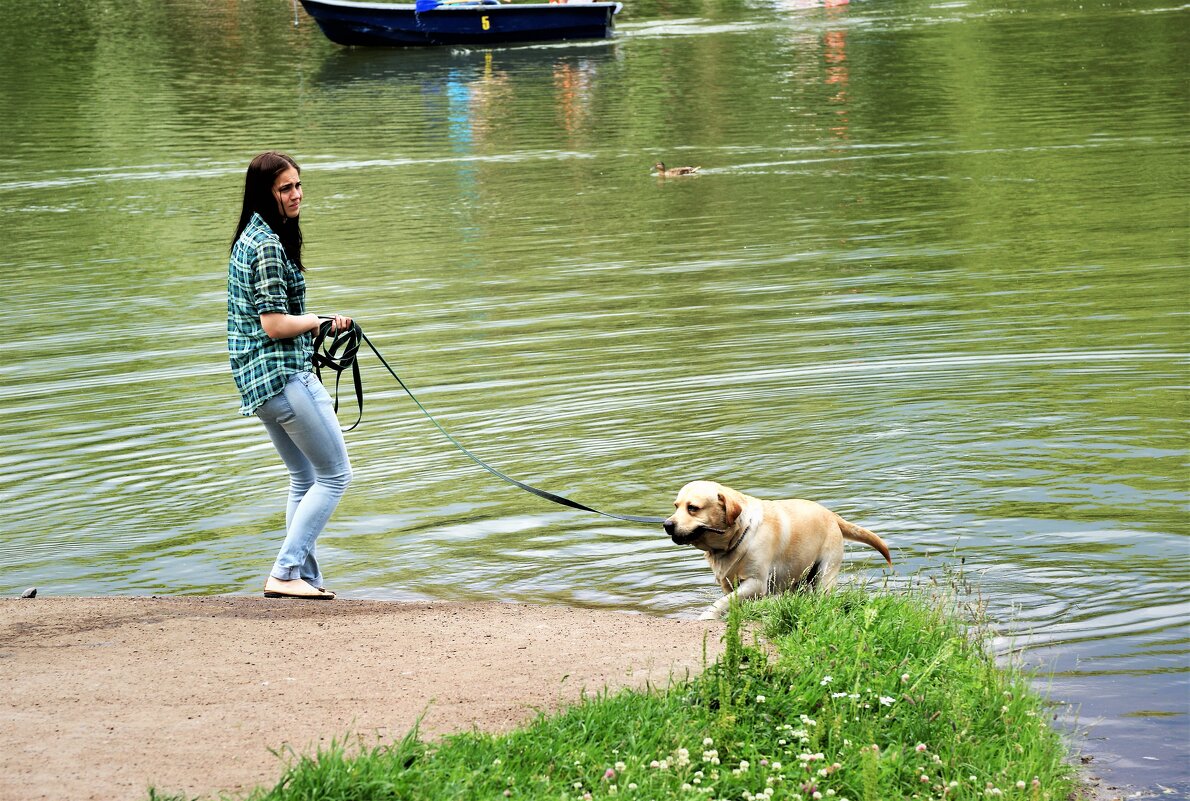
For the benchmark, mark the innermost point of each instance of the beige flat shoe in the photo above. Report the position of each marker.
(294, 588)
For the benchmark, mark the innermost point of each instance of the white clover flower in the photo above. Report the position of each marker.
(1020, 785)
(920, 747)
(904, 677)
(707, 741)
(620, 767)
(760, 699)
(776, 766)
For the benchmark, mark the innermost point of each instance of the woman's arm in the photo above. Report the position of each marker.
(287, 326)
(279, 325)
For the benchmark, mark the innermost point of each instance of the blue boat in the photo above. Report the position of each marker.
(481, 22)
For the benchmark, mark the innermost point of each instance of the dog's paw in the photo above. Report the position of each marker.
(710, 614)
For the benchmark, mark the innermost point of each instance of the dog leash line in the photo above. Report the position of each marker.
(348, 343)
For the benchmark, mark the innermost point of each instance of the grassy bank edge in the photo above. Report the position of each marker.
(862, 694)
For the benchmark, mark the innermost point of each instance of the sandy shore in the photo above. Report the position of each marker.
(103, 697)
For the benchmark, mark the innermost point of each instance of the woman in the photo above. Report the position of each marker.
(270, 339)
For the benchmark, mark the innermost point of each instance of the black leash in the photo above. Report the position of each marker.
(340, 354)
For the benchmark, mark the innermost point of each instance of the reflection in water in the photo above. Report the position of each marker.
(933, 276)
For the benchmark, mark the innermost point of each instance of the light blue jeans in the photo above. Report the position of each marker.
(302, 425)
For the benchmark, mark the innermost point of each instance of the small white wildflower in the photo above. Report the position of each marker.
(707, 741)
(1020, 785)
(839, 695)
(904, 677)
(760, 699)
(886, 701)
(826, 680)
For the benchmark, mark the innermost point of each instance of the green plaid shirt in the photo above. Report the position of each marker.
(261, 279)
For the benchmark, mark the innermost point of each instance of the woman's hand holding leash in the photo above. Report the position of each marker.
(338, 322)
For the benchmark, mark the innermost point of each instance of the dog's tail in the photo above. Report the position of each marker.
(860, 534)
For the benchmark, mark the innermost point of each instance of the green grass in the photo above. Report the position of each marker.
(859, 695)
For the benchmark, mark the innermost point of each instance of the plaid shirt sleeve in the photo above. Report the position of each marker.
(269, 282)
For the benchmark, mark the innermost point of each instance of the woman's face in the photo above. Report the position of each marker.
(287, 189)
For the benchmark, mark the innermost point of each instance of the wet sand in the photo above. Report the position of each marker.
(104, 697)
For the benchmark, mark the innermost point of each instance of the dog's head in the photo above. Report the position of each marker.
(705, 514)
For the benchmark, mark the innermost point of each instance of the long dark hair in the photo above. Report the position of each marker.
(259, 199)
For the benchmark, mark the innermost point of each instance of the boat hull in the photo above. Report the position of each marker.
(390, 24)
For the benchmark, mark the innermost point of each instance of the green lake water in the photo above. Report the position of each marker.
(933, 274)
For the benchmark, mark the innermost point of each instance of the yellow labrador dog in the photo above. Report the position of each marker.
(756, 547)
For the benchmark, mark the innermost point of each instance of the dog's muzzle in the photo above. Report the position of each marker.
(686, 537)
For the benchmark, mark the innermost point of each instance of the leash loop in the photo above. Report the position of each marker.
(341, 354)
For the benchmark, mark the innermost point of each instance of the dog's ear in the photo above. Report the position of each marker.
(732, 506)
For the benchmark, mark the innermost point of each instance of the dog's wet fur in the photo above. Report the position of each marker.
(756, 547)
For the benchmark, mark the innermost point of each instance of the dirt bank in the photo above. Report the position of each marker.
(103, 697)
